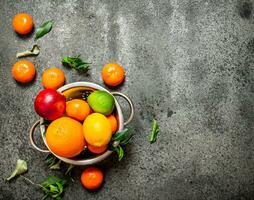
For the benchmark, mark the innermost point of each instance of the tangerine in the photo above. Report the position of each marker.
(113, 123)
(77, 109)
(97, 150)
(53, 78)
(113, 74)
(23, 71)
(22, 23)
(92, 178)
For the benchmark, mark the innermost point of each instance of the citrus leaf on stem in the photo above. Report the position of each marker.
(123, 137)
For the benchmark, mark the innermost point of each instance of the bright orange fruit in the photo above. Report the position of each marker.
(92, 178)
(77, 109)
(23, 71)
(22, 23)
(64, 137)
(113, 123)
(53, 78)
(113, 74)
(97, 150)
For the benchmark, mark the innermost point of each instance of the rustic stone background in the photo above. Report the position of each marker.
(189, 64)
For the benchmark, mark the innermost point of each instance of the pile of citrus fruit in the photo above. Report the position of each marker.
(76, 124)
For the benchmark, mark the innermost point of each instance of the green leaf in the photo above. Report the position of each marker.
(21, 168)
(56, 166)
(50, 160)
(119, 150)
(53, 162)
(76, 63)
(69, 170)
(123, 137)
(43, 29)
(121, 153)
(155, 131)
(33, 52)
(53, 187)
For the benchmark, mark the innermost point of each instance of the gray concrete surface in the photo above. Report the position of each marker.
(189, 64)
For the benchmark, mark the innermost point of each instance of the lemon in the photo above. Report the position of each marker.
(97, 130)
(101, 102)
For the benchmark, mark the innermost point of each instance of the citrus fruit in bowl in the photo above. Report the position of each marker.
(65, 138)
(97, 130)
(86, 144)
(101, 102)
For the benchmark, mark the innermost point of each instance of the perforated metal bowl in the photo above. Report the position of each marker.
(78, 160)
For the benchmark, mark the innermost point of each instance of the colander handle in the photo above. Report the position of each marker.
(130, 104)
(31, 138)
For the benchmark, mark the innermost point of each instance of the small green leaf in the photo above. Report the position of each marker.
(56, 166)
(33, 52)
(50, 160)
(53, 189)
(76, 63)
(155, 131)
(53, 162)
(123, 137)
(21, 168)
(119, 151)
(43, 29)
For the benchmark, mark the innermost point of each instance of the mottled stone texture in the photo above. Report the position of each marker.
(189, 63)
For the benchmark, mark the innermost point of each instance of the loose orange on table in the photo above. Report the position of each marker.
(22, 23)
(92, 178)
(64, 137)
(78, 109)
(23, 71)
(113, 123)
(53, 78)
(113, 74)
(97, 150)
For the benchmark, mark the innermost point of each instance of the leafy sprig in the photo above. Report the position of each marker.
(53, 187)
(76, 63)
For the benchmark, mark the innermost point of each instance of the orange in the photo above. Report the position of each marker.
(92, 178)
(113, 74)
(113, 123)
(23, 71)
(64, 137)
(97, 130)
(77, 109)
(97, 150)
(53, 78)
(22, 23)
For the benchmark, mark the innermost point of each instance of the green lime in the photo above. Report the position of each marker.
(101, 102)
